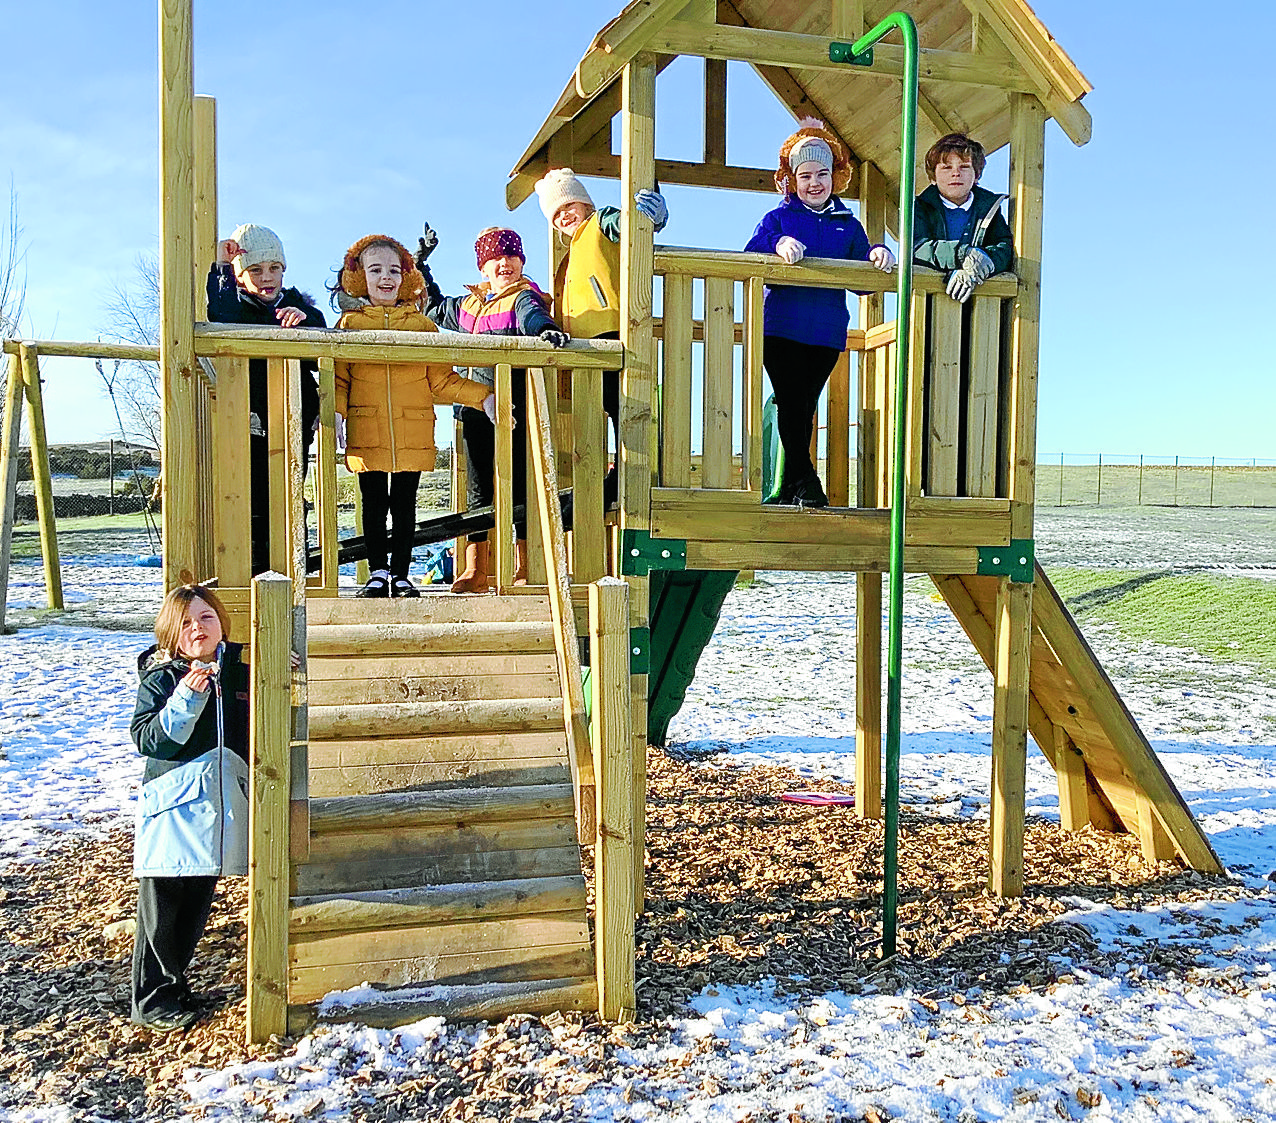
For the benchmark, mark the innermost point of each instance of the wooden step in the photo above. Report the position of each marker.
(435, 904)
(360, 688)
(465, 637)
(433, 607)
(488, 1001)
(423, 719)
(449, 807)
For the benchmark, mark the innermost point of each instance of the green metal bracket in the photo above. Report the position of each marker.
(640, 553)
(845, 52)
(1014, 561)
(639, 651)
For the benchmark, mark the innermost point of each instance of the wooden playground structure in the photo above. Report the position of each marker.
(424, 784)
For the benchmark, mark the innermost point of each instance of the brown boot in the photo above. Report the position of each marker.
(520, 561)
(474, 578)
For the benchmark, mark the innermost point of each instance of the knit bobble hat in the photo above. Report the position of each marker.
(354, 281)
(257, 245)
(498, 241)
(557, 188)
(810, 143)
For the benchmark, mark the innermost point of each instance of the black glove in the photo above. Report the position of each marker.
(555, 338)
(425, 245)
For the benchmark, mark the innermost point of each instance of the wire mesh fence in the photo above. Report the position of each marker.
(1140, 480)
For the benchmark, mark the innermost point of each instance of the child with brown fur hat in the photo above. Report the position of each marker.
(389, 407)
(804, 329)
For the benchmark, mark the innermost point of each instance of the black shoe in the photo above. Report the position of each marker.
(378, 585)
(167, 1021)
(809, 493)
(402, 587)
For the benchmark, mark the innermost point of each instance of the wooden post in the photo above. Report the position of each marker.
(719, 347)
(9, 446)
(715, 111)
(637, 171)
(589, 465)
(294, 504)
(270, 762)
(838, 441)
(277, 463)
(233, 499)
(1014, 600)
(205, 199)
(326, 479)
(944, 392)
(614, 861)
(42, 478)
(1074, 797)
(869, 469)
(1154, 840)
(753, 393)
(181, 504)
(503, 480)
(675, 413)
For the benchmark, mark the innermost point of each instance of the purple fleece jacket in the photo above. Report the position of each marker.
(809, 315)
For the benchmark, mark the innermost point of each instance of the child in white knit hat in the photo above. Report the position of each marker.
(804, 328)
(246, 286)
(587, 284)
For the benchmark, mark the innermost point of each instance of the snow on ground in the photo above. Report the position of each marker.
(778, 685)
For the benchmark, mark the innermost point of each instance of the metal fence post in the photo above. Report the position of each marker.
(1140, 502)
(1211, 481)
(1061, 479)
(1176, 481)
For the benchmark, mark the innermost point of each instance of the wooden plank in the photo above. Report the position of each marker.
(437, 608)
(393, 841)
(825, 558)
(52, 348)
(435, 869)
(503, 483)
(675, 420)
(232, 489)
(545, 482)
(588, 467)
(277, 464)
(868, 695)
(1012, 628)
(1155, 843)
(613, 747)
(715, 111)
(945, 396)
(848, 22)
(1074, 806)
(182, 535)
(365, 779)
(510, 747)
(9, 444)
(751, 469)
(42, 478)
(982, 408)
(270, 758)
(326, 477)
(445, 807)
(461, 968)
(719, 316)
(398, 908)
(415, 719)
(915, 434)
(839, 432)
(466, 665)
(400, 687)
(618, 44)
(430, 639)
(205, 193)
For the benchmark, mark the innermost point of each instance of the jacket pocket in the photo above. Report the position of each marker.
(598, 291)
(418, 428)
(178, 829)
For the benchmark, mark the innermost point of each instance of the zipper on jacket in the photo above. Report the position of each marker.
(389, 405)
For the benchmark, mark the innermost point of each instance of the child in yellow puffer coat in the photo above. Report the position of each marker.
(389, 407)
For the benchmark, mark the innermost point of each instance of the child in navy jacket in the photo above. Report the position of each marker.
(804, 329)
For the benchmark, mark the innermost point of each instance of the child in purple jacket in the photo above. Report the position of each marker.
(804, 329)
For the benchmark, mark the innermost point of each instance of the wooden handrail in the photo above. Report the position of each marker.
(545, 484)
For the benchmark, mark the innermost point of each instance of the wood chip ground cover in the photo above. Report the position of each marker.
(741, 888)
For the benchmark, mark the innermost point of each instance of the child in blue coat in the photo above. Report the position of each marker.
(804, 329)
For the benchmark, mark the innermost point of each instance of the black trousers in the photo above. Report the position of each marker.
(479, 435)
(259, 472)
(798, 372)
(611, 407)
(171, 915)
(393, 494)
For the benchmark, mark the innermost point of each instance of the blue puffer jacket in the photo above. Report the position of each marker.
(810, 315)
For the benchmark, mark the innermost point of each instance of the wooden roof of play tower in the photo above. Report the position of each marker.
(974, 55)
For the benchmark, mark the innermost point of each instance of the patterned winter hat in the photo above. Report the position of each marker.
(257, 245)
(354, 282)
(498, 241)
(809, 143)
(557, 188)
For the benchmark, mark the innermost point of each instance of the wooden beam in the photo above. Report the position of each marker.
(1074, 798)
(621, 40)
(205, 199)
(180, 472)
(42, 478)
(605, 165)
(848, 22)
(9, 445)
(1013, 636)
(715, 111)
(268, 873)
(614, 859)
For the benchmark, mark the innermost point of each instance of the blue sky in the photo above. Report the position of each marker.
(336, 120)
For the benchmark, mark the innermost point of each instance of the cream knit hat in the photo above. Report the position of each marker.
(257, 244)
(811, 150)
(557, 188)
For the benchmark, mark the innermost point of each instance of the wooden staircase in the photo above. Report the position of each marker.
(443, 840)
(1109, 776)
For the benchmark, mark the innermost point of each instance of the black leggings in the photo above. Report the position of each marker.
(392, 493)
(798, 372)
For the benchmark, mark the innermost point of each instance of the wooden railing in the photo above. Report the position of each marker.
(956, 444)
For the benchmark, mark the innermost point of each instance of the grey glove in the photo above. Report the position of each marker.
(555, 338)
(652, 204)
(425, 245)
(978, 264)
(961, 283)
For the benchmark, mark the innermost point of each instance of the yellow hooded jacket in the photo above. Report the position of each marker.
(587, 285)
(389, 407)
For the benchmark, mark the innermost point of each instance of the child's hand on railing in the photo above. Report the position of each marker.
(978, 264)
(881, 258)
(290, 317)
(489, 407)
(555, 338)
(790, 249)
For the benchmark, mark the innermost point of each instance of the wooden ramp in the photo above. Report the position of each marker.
(1108, 774)
(443, 840)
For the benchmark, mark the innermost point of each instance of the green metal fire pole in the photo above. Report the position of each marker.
(903, 334)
